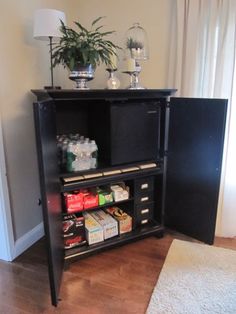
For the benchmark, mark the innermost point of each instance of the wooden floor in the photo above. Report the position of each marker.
(116, 281)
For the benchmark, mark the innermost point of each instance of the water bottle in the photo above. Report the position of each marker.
(59, 151)
(71, 157)
(64, 148)
(87, 154)
(94, 154)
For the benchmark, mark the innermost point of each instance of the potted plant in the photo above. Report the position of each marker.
(83, 50)
(133, 44)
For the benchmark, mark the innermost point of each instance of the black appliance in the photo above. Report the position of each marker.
(127, 132)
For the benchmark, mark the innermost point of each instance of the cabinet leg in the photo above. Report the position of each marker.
(66, 266)
(159, 235)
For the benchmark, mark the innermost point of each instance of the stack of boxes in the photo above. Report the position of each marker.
(108, 224)
(99, 225)
(93, 230)
(73, 231)
(80, 200)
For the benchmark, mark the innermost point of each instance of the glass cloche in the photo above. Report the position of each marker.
(136, 50)
(136, 43)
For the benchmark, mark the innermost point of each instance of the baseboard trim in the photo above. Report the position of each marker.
(28, 239)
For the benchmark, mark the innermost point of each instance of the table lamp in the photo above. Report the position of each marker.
(47, 24)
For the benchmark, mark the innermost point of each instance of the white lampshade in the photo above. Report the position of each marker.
(47, 23)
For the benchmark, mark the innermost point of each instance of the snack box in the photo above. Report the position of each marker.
(74, 202)
(123, 219)
(104, 196)
(109, 224)
(90, 199)
(120, 192)
(93, 230)
(73, 231)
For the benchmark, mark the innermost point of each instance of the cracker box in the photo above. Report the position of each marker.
(93, 230)
(109, 224)
(73, 202)
(120, 192)
(123, 219)
(73, 231)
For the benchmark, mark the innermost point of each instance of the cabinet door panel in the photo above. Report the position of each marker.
(195, 148)
(50, 190)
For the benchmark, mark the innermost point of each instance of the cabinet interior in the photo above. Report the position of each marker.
(115, 127)
(93, 119)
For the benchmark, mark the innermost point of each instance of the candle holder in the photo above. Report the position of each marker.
(113, 82)
(134, 78)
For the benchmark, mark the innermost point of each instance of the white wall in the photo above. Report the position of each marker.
(6, 230)
(24, 66)
(154, 17)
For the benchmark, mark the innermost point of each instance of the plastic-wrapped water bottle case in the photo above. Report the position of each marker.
(76, 153)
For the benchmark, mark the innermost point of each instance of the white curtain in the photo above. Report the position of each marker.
(201, 64)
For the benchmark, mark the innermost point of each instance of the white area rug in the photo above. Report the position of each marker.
(195, 279)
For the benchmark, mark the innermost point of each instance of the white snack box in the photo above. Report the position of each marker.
(94, 231)
(109, 224)
(120, 192)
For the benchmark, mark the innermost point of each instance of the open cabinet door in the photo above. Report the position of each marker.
(195, 149)
(50, 190)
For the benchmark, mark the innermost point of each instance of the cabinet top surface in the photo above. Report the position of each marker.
(101, 93)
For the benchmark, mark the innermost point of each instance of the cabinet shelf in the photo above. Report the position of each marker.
(140, 166)
(130, 199)
(75, 181)
(152, 228)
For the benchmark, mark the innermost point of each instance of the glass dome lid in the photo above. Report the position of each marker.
(136, 43)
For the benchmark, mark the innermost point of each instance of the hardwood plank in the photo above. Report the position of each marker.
(117, 281)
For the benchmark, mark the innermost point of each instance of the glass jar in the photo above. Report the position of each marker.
(136, 43)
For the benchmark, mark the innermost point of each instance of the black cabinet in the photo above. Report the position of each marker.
(169, 153)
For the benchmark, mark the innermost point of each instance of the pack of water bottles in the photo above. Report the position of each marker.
(76, 153)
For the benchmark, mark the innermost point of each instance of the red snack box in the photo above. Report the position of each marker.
(90, 200)
(74, 202)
